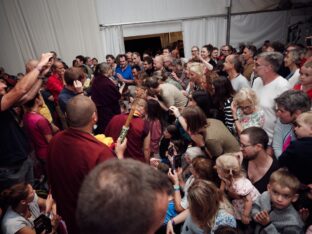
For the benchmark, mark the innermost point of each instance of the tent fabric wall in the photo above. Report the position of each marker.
(112, 39)
(256, 28)
(203, 31)
(31, 27)
(125, 11)
(71, 27)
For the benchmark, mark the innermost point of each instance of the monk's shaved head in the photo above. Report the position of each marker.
(31, 64)
(79, 111)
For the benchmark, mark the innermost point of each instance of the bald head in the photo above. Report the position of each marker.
(31, 64)
(79, 111)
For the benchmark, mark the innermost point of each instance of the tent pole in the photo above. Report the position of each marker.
(228, 20)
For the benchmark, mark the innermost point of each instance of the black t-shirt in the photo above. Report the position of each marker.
(261, 184)
(13, 142)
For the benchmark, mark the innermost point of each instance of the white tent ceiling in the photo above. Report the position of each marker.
(71, 27)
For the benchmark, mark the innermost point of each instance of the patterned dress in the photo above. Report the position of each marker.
(255, 119)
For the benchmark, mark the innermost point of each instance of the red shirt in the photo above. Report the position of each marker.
(55, 85)
(72, 155)
(299, 87)
(138, 130)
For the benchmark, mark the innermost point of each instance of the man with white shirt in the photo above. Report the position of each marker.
(268, 86)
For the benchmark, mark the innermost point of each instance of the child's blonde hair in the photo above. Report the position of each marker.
(230, 165)
(284, 178)
(305, 117)
(246, 94)
(308, 64)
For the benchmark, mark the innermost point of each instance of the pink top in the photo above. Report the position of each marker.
(37, 127)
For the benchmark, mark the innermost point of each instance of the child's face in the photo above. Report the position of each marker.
(302, 129)
(246, 107)
(281, 197)
(305, 75)
(167, 135)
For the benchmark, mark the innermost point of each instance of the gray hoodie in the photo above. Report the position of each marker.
(285, 220)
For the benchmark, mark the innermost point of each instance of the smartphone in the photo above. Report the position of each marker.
(177, 161)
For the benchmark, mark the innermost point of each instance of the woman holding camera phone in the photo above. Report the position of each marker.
(23, 215)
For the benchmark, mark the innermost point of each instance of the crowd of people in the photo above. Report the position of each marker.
(217, 143)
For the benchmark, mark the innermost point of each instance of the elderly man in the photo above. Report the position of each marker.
(73, 153)
(268, 86)
(15, 165)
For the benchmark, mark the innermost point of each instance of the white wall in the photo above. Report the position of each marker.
(71, 27)
(29, 28)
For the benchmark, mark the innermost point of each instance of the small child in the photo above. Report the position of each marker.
(273, 210)
(245, 110)
(297, 157)
(238, 187)
(305, 79)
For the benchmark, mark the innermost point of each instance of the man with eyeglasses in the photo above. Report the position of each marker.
(258, 164)
(268, 86)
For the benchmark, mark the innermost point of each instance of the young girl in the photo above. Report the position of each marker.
(206, 210)
(245, 111)
(238, 187)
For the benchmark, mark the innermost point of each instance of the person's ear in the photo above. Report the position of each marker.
(259, 147)
(23, 202)
(297, 113)
(295, 197)
(269, 187)
(94, 116)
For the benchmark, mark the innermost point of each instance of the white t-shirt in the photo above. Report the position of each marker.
(13, 222)
(294, 79)
(188, 183)
(240, 82)
(266, 95)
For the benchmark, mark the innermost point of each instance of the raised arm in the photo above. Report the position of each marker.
(25, 85)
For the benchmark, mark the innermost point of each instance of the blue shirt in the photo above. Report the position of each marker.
(64, 97)
(126, 73)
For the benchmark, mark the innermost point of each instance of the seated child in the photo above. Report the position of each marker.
(273, 210)
(297, 157)
(245, 110)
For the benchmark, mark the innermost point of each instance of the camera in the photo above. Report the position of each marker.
(42, 223)
(171, 151)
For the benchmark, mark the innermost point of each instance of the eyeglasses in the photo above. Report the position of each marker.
(260, 65)
(244, 146)
(225, 50)
(245, 107)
